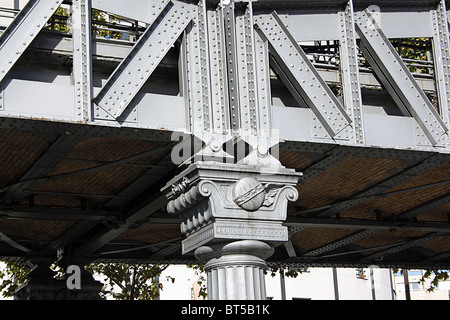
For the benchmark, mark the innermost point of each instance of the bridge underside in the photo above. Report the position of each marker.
(96, 190)
(375, 192)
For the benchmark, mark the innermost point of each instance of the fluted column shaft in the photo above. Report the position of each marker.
(235, 271)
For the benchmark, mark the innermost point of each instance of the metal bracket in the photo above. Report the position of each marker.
(295, 67)
(397, 79)
(22, 31)
(147, 53)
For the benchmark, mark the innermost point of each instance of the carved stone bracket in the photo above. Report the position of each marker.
(220, 201)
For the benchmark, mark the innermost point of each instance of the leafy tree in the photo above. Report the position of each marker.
(438, 276)
(101, 19)
(136, 282)
(417, 49)
(14, 275)
(102, 23)
(123, 281)
(202, 282)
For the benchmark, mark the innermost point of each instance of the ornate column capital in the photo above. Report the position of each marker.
(219, 201)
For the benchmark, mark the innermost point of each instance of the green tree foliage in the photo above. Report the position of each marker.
(202, 282)
(135, 282)
(102, 23)
(122, 281)
(437, 276)
(14, 275)
(417, 50)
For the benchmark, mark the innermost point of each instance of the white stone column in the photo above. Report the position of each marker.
(235, 271)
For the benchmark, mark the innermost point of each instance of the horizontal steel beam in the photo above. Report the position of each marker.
(26, 212)
(367, 225)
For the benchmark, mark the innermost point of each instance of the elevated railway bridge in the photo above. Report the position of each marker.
(237, 134)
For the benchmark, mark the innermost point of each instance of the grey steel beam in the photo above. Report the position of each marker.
(340, 243)
(82, 58)
(141, 10)
(13, 243)
(195, 73)
(289, 246)
(367, 225)
(404, 246)
(144, 181)
(436, 258)
(47, 161)
(34, 213)
(227, 14)
(23, 30)
(135, 211)
(380, 189)
(219, 99)
(147, 53)
(397, 79)
(100, 239)
(425, 207)
(248, 75)
(303, 76)
(28, 181)
(351, 86)
(160, 253)
(441, 51)
(245, 67)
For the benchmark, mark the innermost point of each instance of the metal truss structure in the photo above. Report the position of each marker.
(354, 94)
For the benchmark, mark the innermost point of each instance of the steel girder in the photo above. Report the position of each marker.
(225, 69)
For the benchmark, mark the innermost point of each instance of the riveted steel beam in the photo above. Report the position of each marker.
(397, 79)
(23, 30)
(82, 58)
(404, 246)
(217, 65)
(340, 243)
(13, 243)
(351, 86)
(441, 51)
(245, 64)
(302, 75)
(196, 73)
(141, 10)
(381, 189)
(147, 53)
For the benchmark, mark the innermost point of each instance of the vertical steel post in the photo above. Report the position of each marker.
(335, 284)
(282, 284)
(372, 284)
(82, 58)
(406, 280)
(441, 52)
(351, 87)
